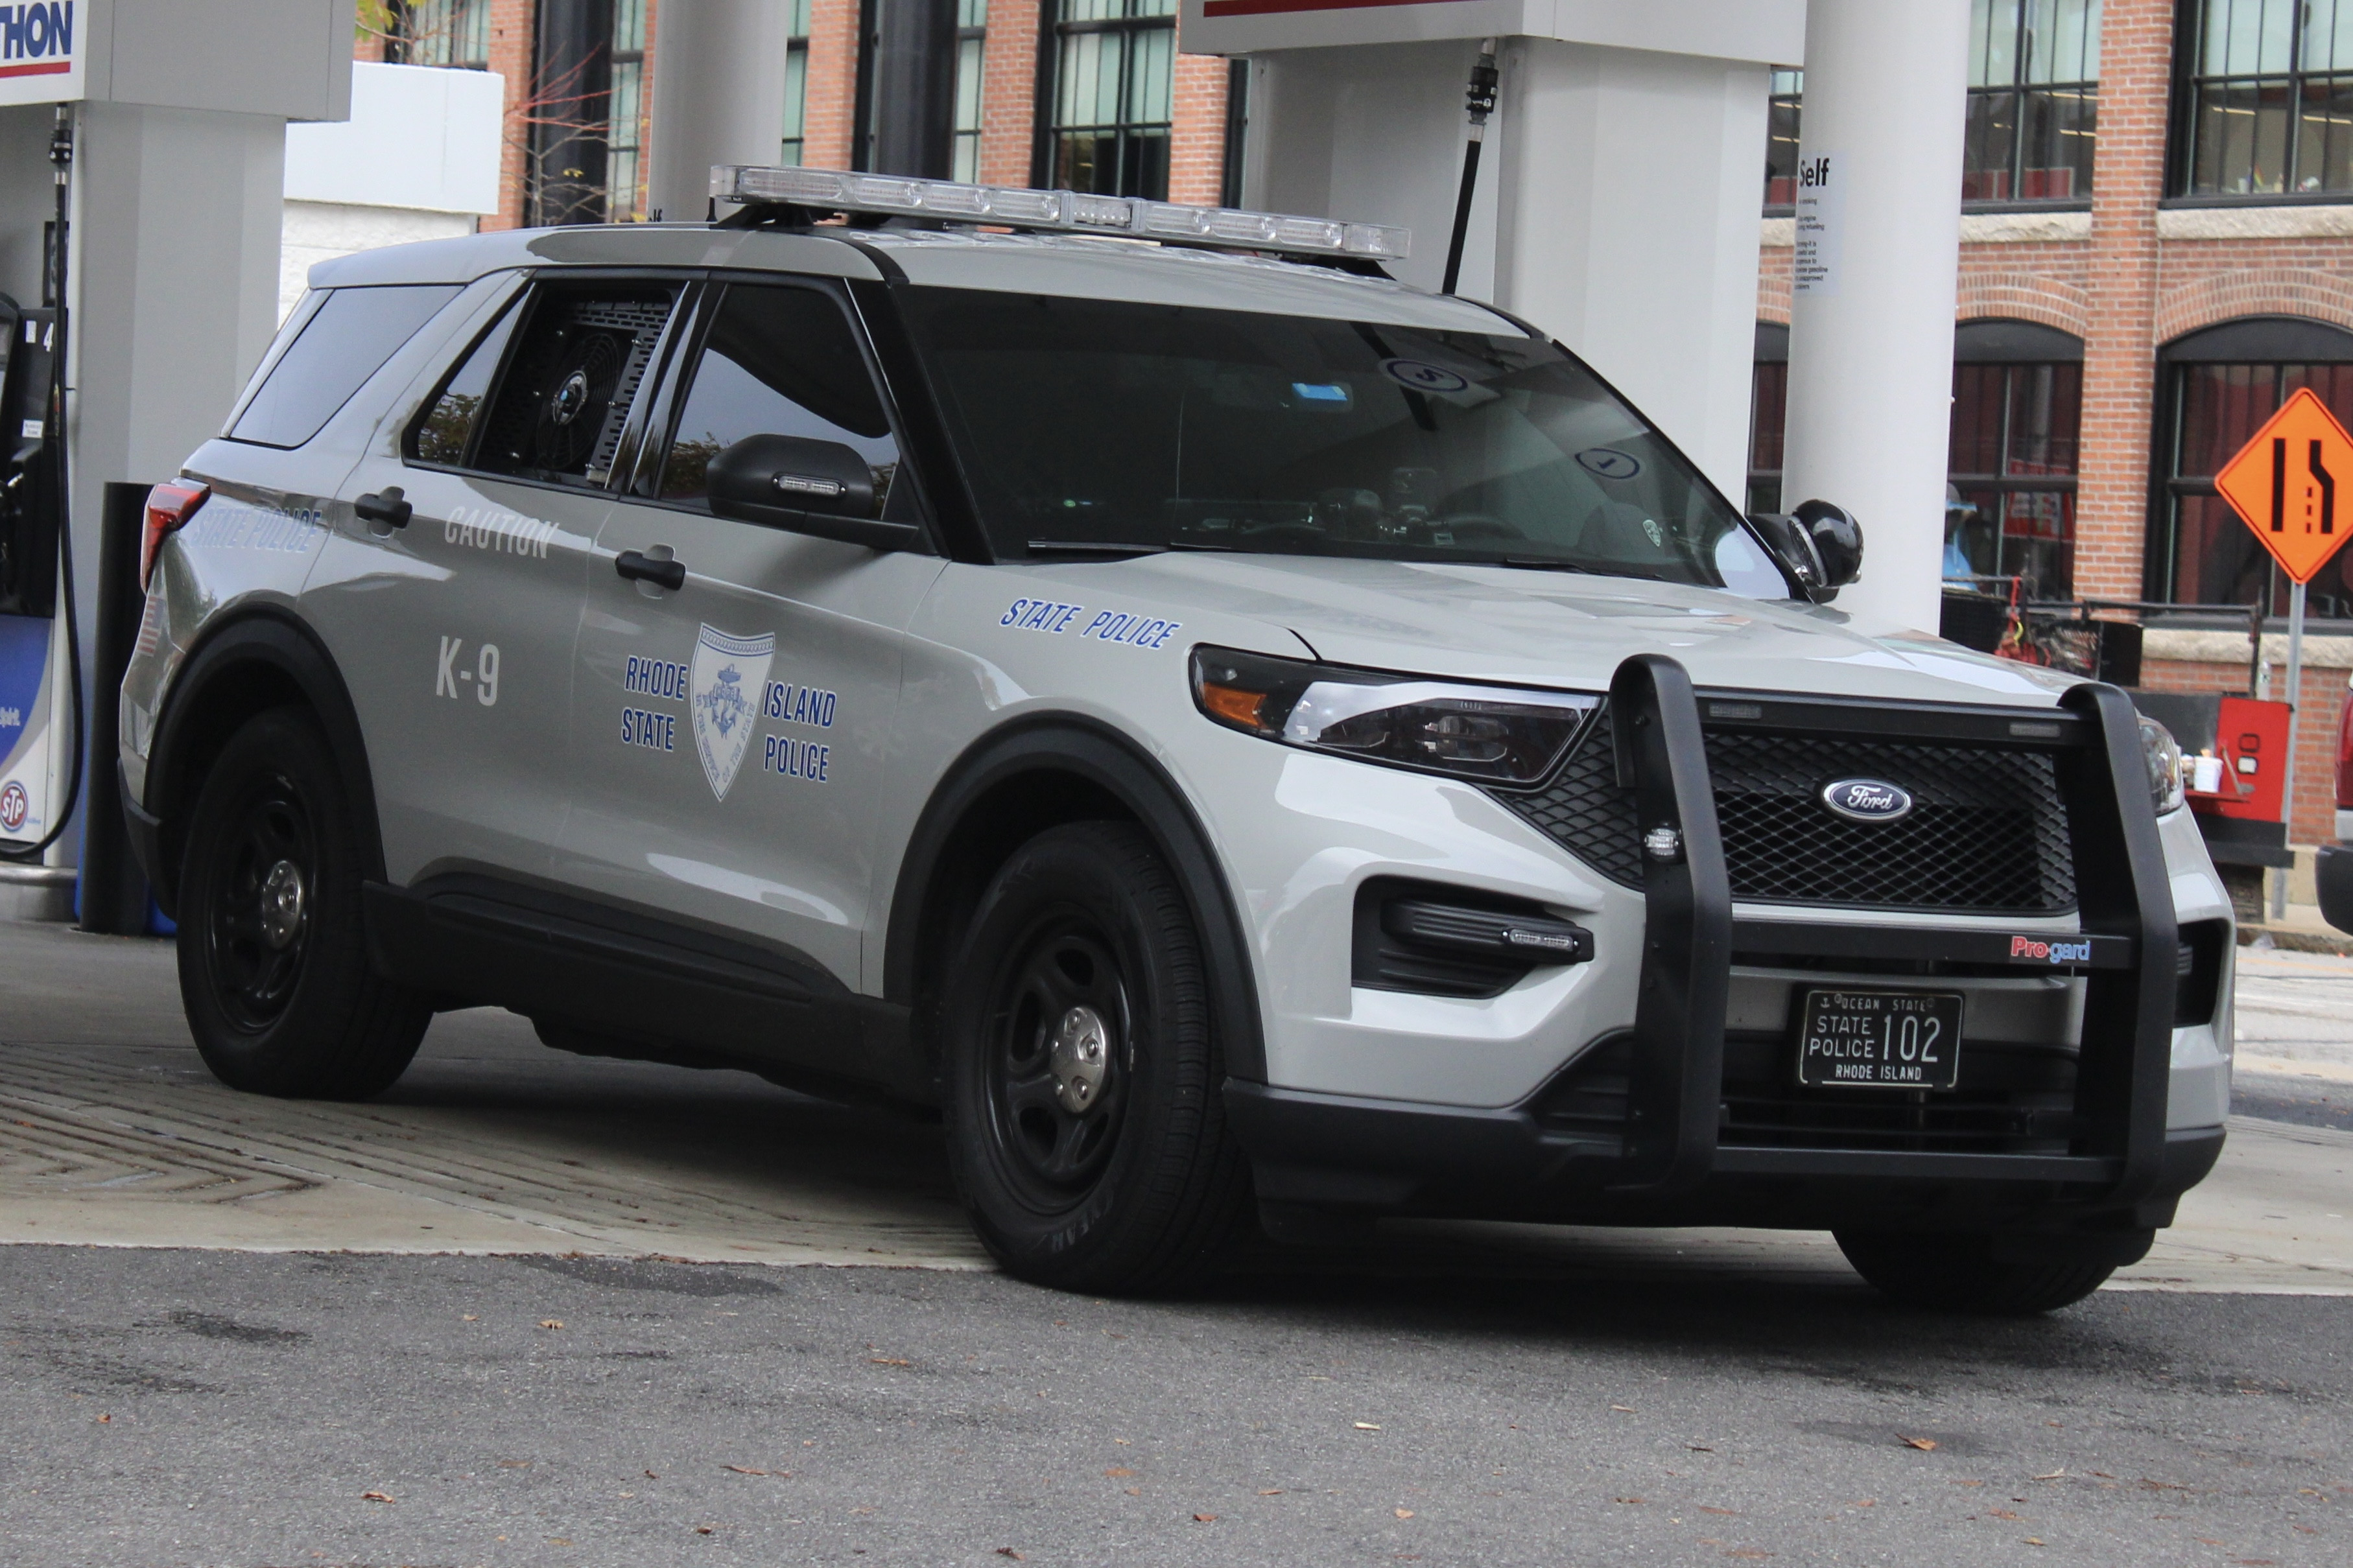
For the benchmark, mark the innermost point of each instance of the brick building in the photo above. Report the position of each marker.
(1090, 94)
(2156, 249)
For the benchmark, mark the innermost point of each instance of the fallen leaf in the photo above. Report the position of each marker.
(1968, 1483)
(1136, 1491)
(559, 1540)
(2051, 1477)
(1705, 1508)
(651, 1476)
(1623, 1409)
(1118, 1470)
(1628, 1500)
(1699, 1447)
(1926, 1445)
(888, 1361)
(2034, 1541)
(1270, 1491)
(1367, 1426)
(702, 1529)
(514, 1464)
(1008, 1552)
(2000, 1513)
(1403, 1512)
(742, 1470)
(474, 1317)
(550, 1323)
(1205, 1519)
(376, 1497)
(106, 1418)
(1864, 1502)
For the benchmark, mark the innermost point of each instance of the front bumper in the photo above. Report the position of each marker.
(1673, 1141)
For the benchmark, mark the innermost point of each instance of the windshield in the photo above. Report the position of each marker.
(1096, 427)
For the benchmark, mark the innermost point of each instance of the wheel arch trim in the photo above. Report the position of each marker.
(1102, 757)
(273, 638)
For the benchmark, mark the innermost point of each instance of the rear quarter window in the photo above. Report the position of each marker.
(347, 339)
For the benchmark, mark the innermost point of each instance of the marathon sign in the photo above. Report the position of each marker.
(40, 57)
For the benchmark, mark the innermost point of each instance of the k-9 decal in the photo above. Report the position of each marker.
(453, 675)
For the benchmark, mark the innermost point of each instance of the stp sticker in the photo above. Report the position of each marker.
(14, 805)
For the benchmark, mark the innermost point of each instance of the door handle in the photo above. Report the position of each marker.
(387, 506)
(635, 566)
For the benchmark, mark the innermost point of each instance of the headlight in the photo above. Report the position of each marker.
(2164, 759)
(1491, 732)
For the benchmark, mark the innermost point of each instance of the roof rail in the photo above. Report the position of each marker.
(811, 193)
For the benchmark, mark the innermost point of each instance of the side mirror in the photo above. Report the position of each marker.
(1794, 548)
(804, 486)
(1837, 539)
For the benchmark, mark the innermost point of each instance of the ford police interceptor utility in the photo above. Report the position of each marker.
(1238, 737)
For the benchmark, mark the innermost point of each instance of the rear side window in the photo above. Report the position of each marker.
(446, 430)
(345, 341)
(582, 354)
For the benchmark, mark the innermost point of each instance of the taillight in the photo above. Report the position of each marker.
(169, 505)
(2345, 752)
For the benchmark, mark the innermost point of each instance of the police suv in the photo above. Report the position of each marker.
(1237, 738)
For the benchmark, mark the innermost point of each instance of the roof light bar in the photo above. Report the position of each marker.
(1067, 212)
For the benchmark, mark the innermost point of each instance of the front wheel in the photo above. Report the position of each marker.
(1977, 1272)
(274, 972)
(1085, 1128)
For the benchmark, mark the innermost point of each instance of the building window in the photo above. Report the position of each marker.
(440, 33)
(2267, 98)
(796, 45)
(1768, 411)
(971, 36)
(2010, 492)
(1781, 138)
(2217, 388)
(2034, 67)
(623, 165)
(1114, 79)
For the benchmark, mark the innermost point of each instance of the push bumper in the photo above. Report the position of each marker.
(1664, 1156)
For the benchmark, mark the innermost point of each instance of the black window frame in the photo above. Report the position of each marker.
(2015, 345)
(403, 47)
(2272, 341)
(2190, 18)
(1052, 33)
(1772, 353)
(2021, 88)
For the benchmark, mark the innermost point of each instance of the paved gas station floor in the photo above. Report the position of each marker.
(529, 1309)
(112, 1133)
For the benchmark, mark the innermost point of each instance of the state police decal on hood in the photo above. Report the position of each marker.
(725, 684)
(1868, 800)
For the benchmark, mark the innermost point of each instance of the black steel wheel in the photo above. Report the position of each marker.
(1085, 1128)
(273, 959)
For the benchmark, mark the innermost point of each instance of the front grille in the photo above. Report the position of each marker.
(2011, 1100)
(1987, 834)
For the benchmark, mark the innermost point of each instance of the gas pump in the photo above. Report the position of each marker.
(29, 526)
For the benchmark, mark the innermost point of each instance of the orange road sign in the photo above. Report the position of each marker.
(2285, 485)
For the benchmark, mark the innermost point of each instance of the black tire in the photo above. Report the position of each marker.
(281, 999)
(1114, 1170)
(1966, 1272)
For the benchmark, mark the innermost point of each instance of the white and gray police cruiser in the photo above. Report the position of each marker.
(1237, 738)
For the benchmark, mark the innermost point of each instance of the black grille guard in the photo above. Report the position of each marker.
(2124, 908)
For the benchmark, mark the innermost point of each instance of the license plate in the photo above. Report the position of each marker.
(1880, 1039)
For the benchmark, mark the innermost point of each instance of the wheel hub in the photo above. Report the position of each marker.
(1079, 1054)
(281, 905)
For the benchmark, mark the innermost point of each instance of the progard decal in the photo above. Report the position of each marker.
(2032, 949)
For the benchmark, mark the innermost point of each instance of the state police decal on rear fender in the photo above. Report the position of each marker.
(725, 683)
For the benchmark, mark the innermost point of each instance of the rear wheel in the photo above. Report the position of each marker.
(1973, 1272)
(273, 959)
(1085, 1126)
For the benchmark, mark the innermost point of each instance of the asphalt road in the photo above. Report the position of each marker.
(201, 1407)
(1643, 1401)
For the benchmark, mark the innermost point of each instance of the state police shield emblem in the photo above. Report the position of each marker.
(728, 676)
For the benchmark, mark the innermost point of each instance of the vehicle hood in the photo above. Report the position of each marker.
(1566, 629)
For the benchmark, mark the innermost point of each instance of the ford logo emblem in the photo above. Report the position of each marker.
(1867, 800)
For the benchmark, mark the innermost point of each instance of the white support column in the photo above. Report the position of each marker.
(719, 97)
(1870, 335)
